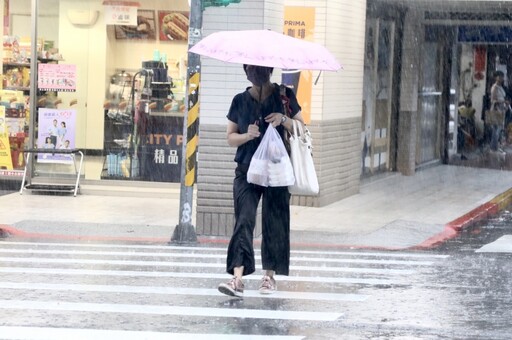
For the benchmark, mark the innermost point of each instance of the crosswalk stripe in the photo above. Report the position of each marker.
(372, 254)
(207, 256)
(169, 310)
(383, 271)
(223, 249)
(132, 273)
(50, 333)
(501, 245)
(178, 291)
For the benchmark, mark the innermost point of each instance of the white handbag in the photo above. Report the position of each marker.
(306, 181)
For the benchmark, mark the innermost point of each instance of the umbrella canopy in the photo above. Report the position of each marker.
(266, 48)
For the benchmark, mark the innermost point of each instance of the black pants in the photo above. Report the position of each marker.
(275, 245)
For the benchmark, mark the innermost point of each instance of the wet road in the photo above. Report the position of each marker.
(112, 291)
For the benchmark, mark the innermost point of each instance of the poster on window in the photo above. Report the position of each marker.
(56, 132)
(56, 77)
(299, 22)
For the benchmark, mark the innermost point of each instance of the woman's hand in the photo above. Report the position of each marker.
(253, 131)
(274, 118)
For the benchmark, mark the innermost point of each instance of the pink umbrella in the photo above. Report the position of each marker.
(266, 48)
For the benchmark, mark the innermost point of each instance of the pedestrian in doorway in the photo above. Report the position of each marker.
(500, 104)
(248, 118)
(466, 130)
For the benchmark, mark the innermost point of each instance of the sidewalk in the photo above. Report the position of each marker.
(390, 212)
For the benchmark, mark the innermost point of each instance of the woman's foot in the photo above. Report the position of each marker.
(234, 287)
(267, 285)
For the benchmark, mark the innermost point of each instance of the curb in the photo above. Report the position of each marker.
(8, 231)
(453, 228)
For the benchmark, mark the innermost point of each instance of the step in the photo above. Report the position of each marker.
(131, 189)
(51, 188)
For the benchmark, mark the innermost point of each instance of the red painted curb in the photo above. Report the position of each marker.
(11, 231)
(453, 228)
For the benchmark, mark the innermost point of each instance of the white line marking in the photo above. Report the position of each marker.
(40, 333)
(199, 265)
(132, 273)
(501, 245)
(377, 254)
(169, 310)
(208, 256)
(223, 249)
(178, 291)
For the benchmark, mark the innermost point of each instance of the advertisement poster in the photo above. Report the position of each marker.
(299, 22)
(56, 77)
(173, 25)
(144, 29)
(56, 131)
(5, 148)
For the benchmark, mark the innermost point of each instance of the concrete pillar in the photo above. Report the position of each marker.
(410, 73)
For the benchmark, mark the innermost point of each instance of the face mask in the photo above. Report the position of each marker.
(258, 75)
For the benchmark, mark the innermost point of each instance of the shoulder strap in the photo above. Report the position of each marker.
(285, 100)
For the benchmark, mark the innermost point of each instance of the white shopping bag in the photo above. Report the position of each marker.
(270, 164)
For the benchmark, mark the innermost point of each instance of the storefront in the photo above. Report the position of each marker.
(110, 81)
(443, 54)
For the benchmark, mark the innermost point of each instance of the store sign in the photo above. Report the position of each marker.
(56, 77)
(56, 131)
(162, 150)
(299, 22)
(121, 14)
(485, 34)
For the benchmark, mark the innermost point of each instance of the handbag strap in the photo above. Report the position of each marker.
(285, 101)
(297, 128)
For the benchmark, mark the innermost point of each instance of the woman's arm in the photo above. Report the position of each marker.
(276, 119)
(235, 138)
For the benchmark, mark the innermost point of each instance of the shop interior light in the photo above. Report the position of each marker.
(82, 17)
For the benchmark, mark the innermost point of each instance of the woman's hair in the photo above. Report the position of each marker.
(498, 74)
(271, 69)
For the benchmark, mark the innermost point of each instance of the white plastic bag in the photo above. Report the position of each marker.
(270, 164)
(306, 181)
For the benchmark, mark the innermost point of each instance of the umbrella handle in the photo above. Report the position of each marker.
(318, 77)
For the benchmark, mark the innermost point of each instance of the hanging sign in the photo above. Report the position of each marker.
(56, 77)
(121, 12)
(299, 22)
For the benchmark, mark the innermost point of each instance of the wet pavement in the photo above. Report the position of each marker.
(106, 289)
(156, 291)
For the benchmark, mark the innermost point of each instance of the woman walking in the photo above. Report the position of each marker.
(249, 116)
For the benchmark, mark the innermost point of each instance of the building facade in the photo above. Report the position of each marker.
(407, 64)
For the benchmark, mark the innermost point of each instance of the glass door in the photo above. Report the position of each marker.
(429, 105)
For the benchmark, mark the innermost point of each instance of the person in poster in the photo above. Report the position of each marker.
(53, 131)
(62, 133)
(58, 127)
